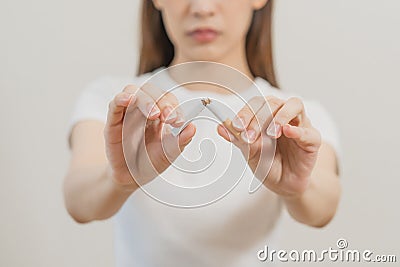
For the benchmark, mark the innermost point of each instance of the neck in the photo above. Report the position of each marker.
(236, 58)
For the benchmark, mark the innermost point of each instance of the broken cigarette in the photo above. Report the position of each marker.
(196, 109)
(220, 114)
(189, 113)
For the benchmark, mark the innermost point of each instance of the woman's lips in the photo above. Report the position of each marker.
(204, 35)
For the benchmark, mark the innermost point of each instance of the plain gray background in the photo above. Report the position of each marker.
(344, 53)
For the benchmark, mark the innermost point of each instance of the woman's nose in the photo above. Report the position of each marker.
(202, 8)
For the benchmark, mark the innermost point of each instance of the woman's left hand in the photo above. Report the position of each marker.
(297, 142)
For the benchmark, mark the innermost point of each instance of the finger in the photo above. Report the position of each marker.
(147, 105)
(186, 135)
(117, 107)
(145, 102)
(262, 118)
(224, 133)
(307, 138)
(292, 109)
(245, 115)
(130, 88)
(167, 103)
(174, 145)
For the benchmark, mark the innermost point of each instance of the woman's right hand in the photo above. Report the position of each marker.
(148, 147)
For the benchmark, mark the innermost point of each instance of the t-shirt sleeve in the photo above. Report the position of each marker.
(322, 120)
(92, 103)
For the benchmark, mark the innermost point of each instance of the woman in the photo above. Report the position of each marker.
(303, 178)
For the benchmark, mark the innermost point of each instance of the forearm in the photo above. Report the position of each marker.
(317, 205)
(90, 194)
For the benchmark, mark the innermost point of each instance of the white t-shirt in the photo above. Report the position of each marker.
(228, 232)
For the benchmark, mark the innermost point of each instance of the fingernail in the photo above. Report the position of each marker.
(173, 115)
(123, 99)
(231, 137)
(179, 120)
(181, 116)
(152, 109)
(248, 136)
(169, 114)
(126, 97)
(273, 129)
(238, 123)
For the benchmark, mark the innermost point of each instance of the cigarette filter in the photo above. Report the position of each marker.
(221, 115)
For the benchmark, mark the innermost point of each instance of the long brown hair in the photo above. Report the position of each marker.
(157, 50)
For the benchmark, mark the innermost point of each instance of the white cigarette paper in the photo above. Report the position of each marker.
(217, 111)
(190, 111)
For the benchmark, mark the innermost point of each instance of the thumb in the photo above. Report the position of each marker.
(186, 136)
(173, 146)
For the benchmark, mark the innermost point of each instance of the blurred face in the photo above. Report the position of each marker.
(207, 29)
